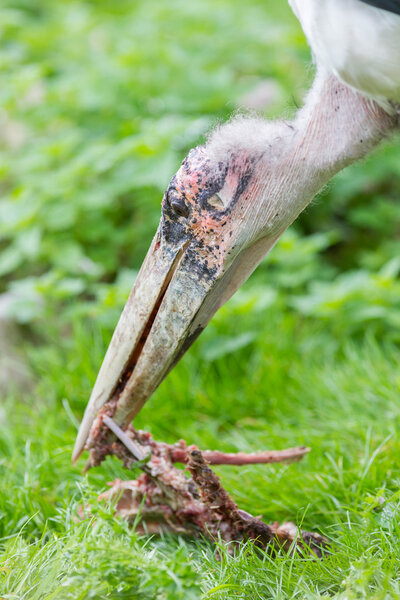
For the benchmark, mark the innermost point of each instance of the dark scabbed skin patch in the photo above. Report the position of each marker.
(175, 230)
(198, 265)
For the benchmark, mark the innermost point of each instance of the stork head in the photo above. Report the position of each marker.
(218, 220)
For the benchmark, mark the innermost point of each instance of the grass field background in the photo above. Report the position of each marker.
(99, 102)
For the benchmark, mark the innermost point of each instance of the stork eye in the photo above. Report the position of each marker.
(179, 207)
(177, 203)
(216, 201)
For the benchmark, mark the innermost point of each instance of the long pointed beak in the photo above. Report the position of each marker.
(170, 304)
(128, 351)
(202, 252)
(173, 298)
(126, 341)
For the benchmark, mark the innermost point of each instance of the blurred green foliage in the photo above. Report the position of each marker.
(98, 106)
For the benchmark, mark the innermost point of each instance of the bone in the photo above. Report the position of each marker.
(215, 457)
(134, 448)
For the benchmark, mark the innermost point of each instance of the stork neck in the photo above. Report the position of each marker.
(336, 127)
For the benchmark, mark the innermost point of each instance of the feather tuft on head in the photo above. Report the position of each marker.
(243, 134)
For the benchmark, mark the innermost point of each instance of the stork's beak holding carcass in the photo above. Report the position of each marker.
(223, 211)
(202, 252)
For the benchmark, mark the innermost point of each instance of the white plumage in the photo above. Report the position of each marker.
(359, 43)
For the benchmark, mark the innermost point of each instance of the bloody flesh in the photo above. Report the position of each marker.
(164, 498)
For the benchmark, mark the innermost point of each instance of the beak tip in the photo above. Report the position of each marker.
(80, 441)
(84, 429)
(76, 454)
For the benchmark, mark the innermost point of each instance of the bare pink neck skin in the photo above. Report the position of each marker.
(338, 126)
(335, 127)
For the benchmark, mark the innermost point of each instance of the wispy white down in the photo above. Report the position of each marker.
(244, 134)
(357, 42)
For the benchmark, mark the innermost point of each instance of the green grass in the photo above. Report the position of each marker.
(341, 401)
(99, 103)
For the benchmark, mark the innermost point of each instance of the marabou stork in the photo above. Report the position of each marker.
(233, 197)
